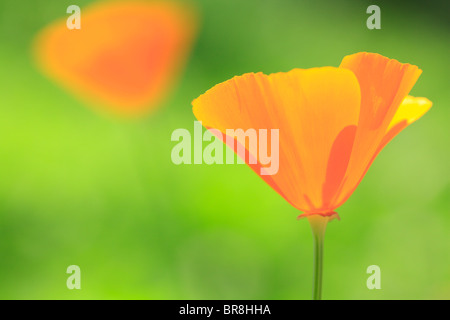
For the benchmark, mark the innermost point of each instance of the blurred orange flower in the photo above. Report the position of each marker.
(332, 122)
(124, 58)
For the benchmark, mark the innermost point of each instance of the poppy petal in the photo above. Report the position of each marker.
(409, 111)
(384, 84)
(124, 57)
(309, 107)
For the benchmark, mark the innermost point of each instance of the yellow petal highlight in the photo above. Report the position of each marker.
(410, 110)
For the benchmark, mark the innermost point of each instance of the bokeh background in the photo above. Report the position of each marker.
(87, 188)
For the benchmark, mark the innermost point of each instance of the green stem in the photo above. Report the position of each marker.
(318, 226)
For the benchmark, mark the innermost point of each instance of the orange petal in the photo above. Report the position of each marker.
(125, 56)
(384, 85)
(311, 108)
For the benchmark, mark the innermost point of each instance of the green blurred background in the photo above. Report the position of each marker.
(79, 187)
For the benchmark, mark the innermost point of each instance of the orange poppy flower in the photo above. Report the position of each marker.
(125, 56)
(332, 122)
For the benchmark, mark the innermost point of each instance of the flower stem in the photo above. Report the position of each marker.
(318, 226)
